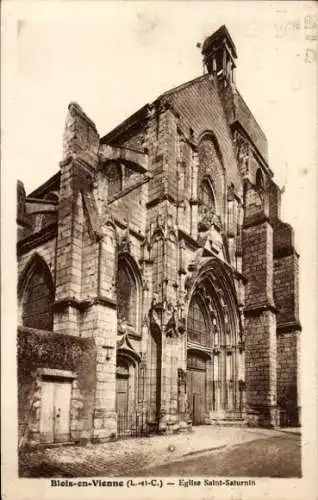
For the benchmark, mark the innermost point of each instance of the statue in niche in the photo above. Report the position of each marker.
(155, 312)
(242, 154)
(125, 242)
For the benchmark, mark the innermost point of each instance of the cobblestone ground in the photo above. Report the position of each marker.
(278, 456)
(124, 457)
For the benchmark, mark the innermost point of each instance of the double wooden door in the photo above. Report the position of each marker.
(55, 411)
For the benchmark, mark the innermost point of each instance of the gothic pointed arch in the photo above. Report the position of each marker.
(128, 290)
(211, 166)
(125, 349)
(214, 353)
(36, 294)
(215, 274)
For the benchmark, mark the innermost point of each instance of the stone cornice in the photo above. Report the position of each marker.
(282, 252)
(256, 309)
(291, 326)
(36, 239)
(83, 305)
(124, 225)
(161, 198)
(256, 220)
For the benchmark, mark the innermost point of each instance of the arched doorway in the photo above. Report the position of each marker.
(215, 354)
(199, 343)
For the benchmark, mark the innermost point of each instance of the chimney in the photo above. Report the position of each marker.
(219, 55)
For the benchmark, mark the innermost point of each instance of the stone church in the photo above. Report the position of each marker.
(157, 283)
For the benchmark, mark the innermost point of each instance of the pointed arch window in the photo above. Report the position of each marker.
(126, 294)
(37, 298)
(198, 327)
(207, 200)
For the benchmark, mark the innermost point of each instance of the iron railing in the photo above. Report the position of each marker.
(135, 424)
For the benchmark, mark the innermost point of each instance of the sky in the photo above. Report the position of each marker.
(112, 58)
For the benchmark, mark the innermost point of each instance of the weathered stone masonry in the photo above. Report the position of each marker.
(158, 285)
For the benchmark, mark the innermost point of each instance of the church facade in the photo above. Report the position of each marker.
(158, 285)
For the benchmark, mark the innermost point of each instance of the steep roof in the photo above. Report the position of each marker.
(236, 110)
(52, 184)
(199, 105)
(217, 36)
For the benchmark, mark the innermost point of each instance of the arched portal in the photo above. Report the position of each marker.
(214, 349)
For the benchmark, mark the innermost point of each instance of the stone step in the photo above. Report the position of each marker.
(233, 422)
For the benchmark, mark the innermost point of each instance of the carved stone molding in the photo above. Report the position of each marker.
(167, 317)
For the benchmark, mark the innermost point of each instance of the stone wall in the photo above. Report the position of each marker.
(38, 350)
(287, 384)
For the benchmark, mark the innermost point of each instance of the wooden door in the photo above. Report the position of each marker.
(122, 394)
(55, 411)
(47, 412)
(62, 399)
(196, 389)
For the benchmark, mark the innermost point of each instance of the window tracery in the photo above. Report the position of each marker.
(37, 297)
(198, 327)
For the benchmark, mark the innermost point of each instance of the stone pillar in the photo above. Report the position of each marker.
(104, 314)
(68, 252)
(80, 147)
(286, 293)
(260, 312)
(104, 417)
(288, 336)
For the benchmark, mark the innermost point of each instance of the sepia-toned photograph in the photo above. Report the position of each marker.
(160, 257)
